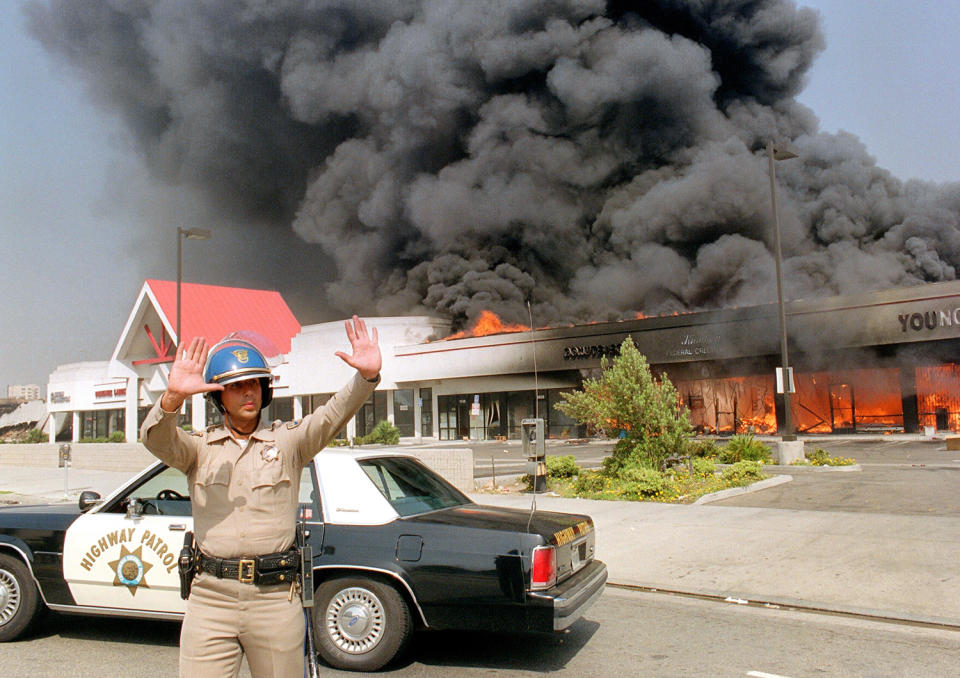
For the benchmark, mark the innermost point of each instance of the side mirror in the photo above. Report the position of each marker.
(89, 499)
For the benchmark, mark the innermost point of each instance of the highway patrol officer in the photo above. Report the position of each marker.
(244, 479)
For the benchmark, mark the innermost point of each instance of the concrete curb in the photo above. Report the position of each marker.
(736, 491)
(796, 603)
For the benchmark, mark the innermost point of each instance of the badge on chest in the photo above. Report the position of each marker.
(270, 453)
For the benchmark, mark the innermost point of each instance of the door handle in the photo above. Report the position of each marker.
(178, 527)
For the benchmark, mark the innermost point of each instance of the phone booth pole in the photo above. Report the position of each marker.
(535, 451)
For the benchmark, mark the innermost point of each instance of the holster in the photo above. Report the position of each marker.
(187, 565)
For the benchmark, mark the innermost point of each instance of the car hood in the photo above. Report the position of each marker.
(548, 524)
(42, 515)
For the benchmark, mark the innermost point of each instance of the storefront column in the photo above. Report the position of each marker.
(352, 429)
(908, 397)
(130, 409)
(436, 414)
(297, 408)
(75, 429)
(417, 424)
(198, 413)
(52, 427)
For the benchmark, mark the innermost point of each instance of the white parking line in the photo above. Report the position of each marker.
(761, 674)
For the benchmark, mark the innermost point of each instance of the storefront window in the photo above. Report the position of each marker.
(282, 409)
(372, 412)
(403, 411)
(101, 423)
(560, 425)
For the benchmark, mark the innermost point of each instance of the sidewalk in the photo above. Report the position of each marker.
(884, 565)
(37, 485)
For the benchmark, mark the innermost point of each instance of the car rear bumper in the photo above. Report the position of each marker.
(571, 598)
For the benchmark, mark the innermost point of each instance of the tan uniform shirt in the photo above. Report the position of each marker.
(245, 492)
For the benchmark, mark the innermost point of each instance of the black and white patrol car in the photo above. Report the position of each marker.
(395, 547)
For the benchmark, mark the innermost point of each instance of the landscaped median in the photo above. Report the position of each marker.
(707, 469)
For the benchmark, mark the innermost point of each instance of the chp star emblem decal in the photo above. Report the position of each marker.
(130, 570)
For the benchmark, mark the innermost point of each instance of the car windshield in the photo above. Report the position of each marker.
(411, 487)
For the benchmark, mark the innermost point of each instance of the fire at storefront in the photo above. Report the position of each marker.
(881, 362)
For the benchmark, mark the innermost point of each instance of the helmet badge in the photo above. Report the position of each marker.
(241, 355)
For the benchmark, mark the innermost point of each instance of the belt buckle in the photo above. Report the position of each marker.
(245, 571)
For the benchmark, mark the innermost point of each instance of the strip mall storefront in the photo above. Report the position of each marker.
(880, 362)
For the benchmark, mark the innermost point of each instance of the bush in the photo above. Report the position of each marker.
(383, 433)
(643, 482)
(743, 472)
(645, 414)
(701, 448)
(562, 467)
(820, 457)
(36, 435)
(703, 467)
(744, 447)
(117, 437)
(589, 482)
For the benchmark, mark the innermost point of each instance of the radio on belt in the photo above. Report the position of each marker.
(533, 448)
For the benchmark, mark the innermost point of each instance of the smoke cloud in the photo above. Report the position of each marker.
(598, 159)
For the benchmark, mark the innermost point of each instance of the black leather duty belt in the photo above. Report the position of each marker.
(274, 568)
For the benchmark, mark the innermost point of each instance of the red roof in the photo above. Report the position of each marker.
(213, 312)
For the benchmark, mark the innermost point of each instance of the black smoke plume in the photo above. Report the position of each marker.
(596, 158)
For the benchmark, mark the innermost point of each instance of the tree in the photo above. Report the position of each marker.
(626, 402)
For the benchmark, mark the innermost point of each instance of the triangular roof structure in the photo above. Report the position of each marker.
(209, 311)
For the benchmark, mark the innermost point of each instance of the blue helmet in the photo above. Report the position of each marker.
(237, 360)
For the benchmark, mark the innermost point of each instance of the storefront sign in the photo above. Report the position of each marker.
(591, 352)
(59, 397)
(110, 393)
(929, 320)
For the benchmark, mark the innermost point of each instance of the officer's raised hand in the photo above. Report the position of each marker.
(366, 357)
(186, 375)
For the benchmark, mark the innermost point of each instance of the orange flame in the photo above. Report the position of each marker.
(487, 323)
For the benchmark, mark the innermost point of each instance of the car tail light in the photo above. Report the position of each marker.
(544, 571)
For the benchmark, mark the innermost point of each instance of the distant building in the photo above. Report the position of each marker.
(23, 391)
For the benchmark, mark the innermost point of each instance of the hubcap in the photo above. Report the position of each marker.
(355, 620)
(9, 596)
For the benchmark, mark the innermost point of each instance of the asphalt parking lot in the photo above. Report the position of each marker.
(896, 475)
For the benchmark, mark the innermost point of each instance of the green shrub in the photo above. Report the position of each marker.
(643, 482)
(820, 457)
(589, 482)
(703, 467)
(744, 447)
(626, 402)
(117, 437)
(562, 467)
(383, 433)
(701, 448)
(37, 435)
(743, 472)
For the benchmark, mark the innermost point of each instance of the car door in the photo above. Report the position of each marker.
(123, 554)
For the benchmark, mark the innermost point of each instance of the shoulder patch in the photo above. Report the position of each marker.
(294, 423)
(197, 433)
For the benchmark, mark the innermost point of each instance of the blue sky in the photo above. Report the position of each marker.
(83, 225)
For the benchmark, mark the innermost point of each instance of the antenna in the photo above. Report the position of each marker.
(534, 427)
(536, 377)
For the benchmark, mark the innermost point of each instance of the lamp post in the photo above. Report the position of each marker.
(190, 234)
(775, 153)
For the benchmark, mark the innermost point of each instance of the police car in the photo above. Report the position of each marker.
(395, 547)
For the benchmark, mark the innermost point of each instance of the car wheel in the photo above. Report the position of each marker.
(359, 624)
(19, 599)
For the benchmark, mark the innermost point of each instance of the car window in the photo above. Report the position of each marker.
(410, 487)
(307, 496)
(165, 493)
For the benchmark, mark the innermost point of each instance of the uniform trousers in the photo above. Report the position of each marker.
(226, 618)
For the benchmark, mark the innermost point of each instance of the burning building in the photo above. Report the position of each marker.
(878, 362)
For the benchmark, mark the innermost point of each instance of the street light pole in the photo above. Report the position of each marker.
(774, 153)
(192, 234)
